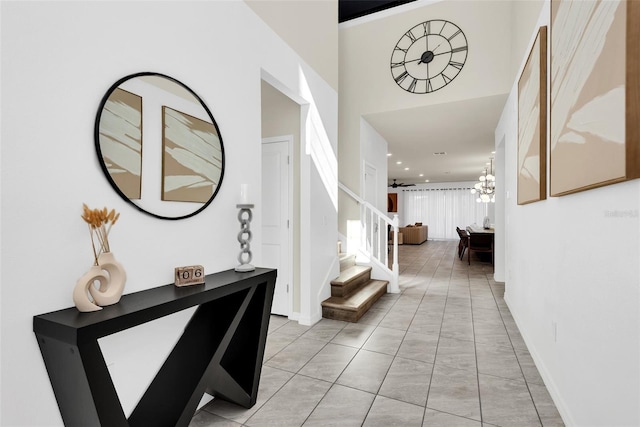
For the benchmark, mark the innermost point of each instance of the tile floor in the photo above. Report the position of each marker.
(443, 352)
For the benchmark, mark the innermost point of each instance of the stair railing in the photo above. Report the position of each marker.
(374, 238)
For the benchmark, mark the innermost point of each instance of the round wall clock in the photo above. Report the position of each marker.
(429, 56)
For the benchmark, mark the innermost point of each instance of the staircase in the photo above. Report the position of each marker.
(353, 292)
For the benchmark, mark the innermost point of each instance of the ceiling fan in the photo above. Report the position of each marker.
(402, 184)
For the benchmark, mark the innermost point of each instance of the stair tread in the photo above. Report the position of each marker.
(358, 298)
(349, 274)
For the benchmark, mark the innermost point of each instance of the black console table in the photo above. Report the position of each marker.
(220, 351)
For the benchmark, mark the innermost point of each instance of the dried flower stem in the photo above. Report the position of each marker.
(100, 222)
(93, 246)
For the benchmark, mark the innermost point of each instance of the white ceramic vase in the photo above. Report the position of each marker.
(85, 286)
(112, 290)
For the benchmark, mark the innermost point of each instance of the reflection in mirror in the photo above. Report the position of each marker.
(159, 146)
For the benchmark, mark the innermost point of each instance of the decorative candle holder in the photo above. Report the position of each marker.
(244, 237)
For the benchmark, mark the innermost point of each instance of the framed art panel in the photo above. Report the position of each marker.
(392, 202)
(595, 116)
(532, 124)
(121, 140)
(191, 157)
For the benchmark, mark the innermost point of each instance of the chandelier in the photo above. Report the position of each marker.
(486, 188)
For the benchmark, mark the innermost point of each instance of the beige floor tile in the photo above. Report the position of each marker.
(427, 345)
(292, 404)
(506, 402)
(366, 371)
(389, 412)
(341, 406)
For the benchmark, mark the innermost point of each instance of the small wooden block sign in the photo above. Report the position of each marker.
(189, 275)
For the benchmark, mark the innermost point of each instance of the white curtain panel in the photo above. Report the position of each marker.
(443, 210)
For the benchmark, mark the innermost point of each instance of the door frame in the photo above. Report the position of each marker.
(366, 166)
(288, 139)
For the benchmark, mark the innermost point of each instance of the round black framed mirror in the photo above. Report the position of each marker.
(159, 145)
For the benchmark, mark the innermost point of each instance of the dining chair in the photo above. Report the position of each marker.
(464, 242)
(480, 242)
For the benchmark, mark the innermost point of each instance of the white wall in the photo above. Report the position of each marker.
(304, 23)
(374, 153)
(58, 59)
(572, 285)
(319, 199)
(524, 16)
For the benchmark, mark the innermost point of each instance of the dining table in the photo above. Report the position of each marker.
(480, 240)
(475, 228)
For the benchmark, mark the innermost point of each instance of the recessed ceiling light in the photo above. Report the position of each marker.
(406, 169)
(426, 180)
(389, 154)
(398, 163)
(493, 152)
(440, 153)
(421, 174)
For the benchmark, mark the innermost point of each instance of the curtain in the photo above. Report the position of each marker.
(443, 210)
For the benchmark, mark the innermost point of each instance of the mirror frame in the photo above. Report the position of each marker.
(104, 166)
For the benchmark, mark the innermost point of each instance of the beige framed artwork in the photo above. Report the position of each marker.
(532, 124)
(120, 133)
(595, 93)
(191, 157)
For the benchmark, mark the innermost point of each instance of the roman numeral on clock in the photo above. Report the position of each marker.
(455, 34)
(401, 77)
(412, 86)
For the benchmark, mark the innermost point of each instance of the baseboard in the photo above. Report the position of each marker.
(310, 320)
(552, 388)
(294, 316)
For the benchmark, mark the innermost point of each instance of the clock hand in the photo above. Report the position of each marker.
(458, 49)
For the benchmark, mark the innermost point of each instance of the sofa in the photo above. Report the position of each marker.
(412, 235)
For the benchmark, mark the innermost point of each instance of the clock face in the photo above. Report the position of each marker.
(429, 56)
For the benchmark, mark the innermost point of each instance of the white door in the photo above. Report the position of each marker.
(371, 196)
(276, 252)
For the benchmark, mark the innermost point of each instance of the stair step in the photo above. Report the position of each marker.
(347, 260)
(349, 280)
(353, 307)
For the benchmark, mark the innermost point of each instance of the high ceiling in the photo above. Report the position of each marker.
(459, 119)
(351, 9)
(418, 137)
